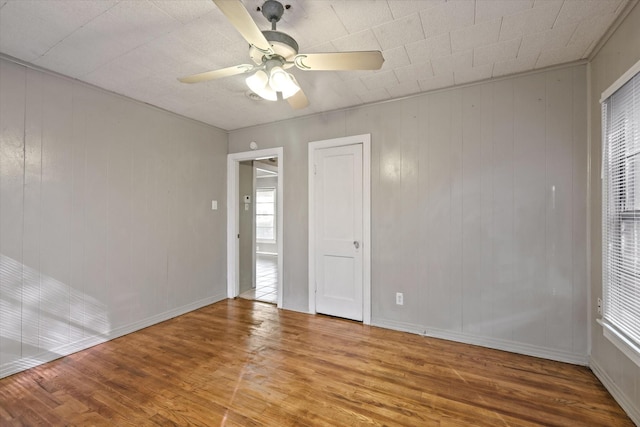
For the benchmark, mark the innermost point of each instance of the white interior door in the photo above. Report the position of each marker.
(338, 207)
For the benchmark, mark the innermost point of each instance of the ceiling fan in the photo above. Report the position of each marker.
(273, 52)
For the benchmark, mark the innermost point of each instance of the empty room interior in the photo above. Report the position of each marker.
(318, 212)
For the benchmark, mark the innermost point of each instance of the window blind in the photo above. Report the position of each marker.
(266, 213)
(621, 210)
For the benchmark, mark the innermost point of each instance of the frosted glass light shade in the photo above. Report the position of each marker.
(281, 81)
(278, 79)
(259, 84)
(267, 86)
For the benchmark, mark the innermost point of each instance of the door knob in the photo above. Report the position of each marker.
(356, 244)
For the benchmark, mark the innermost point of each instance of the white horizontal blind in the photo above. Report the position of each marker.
(266, 213)
(621, 209)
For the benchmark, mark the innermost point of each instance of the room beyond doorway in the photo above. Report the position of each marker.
(266, 289)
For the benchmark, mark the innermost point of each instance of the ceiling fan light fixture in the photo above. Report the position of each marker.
(278, 79)
(259, 84)
(281, 81)
(291, 88)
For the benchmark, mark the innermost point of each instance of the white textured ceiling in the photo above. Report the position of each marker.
(139, 47)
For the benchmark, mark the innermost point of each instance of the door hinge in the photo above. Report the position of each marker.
(315, 169)
(238, 235)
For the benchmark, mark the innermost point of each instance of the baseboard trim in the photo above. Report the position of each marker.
(67, 349)
(398, 326)
(494, 343)
(632, 409)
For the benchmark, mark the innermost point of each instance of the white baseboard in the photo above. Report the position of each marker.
(398, 326)
(297, 310)
(494, 343)
(67, 349)
(630, 407)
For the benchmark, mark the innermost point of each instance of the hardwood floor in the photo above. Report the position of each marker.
(246, 363)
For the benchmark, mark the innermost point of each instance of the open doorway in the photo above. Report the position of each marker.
(258, 240)
(254, 235)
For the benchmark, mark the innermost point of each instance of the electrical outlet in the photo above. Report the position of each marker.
(399, 298)
(600, 306)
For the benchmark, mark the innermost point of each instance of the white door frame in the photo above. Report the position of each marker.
(365, 141)
(233, 184)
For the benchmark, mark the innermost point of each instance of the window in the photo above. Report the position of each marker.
(621, 216)
(266, 214)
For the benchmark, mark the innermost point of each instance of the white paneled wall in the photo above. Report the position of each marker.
(105, 219)
(619, 374)
(478, 210)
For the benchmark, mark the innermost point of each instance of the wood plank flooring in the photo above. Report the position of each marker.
(246, 363)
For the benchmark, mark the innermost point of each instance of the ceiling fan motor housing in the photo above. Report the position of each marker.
(284, 46)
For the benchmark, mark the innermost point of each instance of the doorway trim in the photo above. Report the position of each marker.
(365, 141)
(233, 185)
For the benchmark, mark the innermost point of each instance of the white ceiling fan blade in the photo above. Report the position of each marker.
(364, 60)
(217, 74)
(298, 101)
(239, 17)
